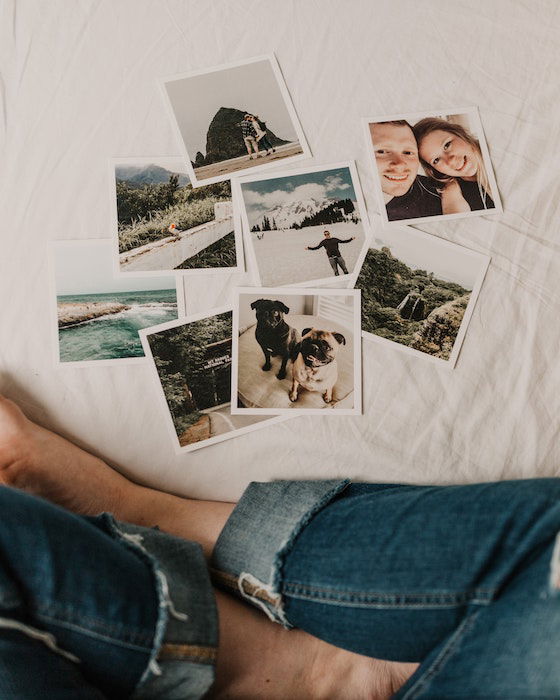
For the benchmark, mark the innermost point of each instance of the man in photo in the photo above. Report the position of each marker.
(333, 252)
(249, 136)
(407, 195)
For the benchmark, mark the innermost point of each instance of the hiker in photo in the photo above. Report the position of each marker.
(449, 153)
(249, 136)
(260, 131)
(285, 215)
(333, 252)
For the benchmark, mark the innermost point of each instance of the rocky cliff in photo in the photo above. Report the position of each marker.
(224, 139)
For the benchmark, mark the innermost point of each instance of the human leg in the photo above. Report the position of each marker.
(332, 261)
(45, 464)
(341, 262)
(72, 599)
(394, 571)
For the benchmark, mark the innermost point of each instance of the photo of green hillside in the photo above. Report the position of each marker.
(409, 306)
(149, 204)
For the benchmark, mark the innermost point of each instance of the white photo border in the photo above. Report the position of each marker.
(186, 320)
(306, 152)
(356, 410)
(474, 114)
(178, 160)
(53, 307)
(484, 264)
(251, 261)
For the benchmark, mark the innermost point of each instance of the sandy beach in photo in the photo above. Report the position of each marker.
(243, 162)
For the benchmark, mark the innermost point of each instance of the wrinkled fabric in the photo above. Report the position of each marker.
(78, 86)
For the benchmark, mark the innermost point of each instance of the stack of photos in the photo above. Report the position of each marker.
(419, 291)
(234, 118)
(431, 165)
(97, 316)
(296, 350)
(161, 223)
(191, 362)
(304, 227)
(323, 276)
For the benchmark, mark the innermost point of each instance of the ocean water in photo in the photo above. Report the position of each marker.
(114, 335)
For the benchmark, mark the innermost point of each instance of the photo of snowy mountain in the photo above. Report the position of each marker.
(304, 227)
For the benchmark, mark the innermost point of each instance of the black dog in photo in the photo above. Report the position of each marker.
(273, 334)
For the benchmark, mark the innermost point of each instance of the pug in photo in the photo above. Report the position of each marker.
(315, 367)
(273, 334)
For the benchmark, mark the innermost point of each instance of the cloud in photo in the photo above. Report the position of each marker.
(260, 196)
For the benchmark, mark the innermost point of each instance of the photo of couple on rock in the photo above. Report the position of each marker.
(254, 135)
(219, 115)
(432, 166)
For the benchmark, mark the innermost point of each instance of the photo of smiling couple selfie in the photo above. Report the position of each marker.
(432, 165)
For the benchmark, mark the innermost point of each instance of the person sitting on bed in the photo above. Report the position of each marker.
(449, 153)
(382, 590)
(408, 195)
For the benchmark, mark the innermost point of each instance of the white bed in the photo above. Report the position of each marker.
(78, 86)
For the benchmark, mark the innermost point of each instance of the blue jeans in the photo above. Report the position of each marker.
(83, 611)
(265, 143)
(464, 579)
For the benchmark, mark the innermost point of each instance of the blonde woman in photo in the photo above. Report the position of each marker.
(450, 154)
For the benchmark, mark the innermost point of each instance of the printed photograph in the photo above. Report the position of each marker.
(192, 365)
(98, 316)
(431, 165)
(419, 291)
(305, 227)
(234, 118)
(161, 223)
(296, 350)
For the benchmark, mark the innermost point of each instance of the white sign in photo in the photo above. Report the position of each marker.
(431, 165)
(419, 292)
(161, 224)
(296, 350)
(234, 118)
(304, 227)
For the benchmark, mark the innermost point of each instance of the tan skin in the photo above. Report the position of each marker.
(256, 658)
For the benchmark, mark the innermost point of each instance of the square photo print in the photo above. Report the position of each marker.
(431, 165)
(191, 363)
(233, 118)
(296, 350)
(419, 292)
(162, 224)
(303, 227)
(98, 315)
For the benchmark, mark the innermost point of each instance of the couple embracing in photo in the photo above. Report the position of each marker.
(455, 180)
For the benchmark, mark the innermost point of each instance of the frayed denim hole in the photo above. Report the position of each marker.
(554, 580)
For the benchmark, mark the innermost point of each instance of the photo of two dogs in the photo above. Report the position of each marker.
(312, 352)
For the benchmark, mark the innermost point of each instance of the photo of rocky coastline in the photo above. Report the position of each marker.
(99, 316)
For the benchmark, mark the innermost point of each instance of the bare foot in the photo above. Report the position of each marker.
(44, 464)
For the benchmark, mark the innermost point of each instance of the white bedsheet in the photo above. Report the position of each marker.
(78, 85)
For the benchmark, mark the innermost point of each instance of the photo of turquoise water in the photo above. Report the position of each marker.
(105, 326)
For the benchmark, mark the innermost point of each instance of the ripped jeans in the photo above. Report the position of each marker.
(465, 579)
(86, 613)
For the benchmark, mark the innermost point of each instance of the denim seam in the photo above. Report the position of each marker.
(480, 595)
(65, 614)
(90, 633)
(442, 658)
